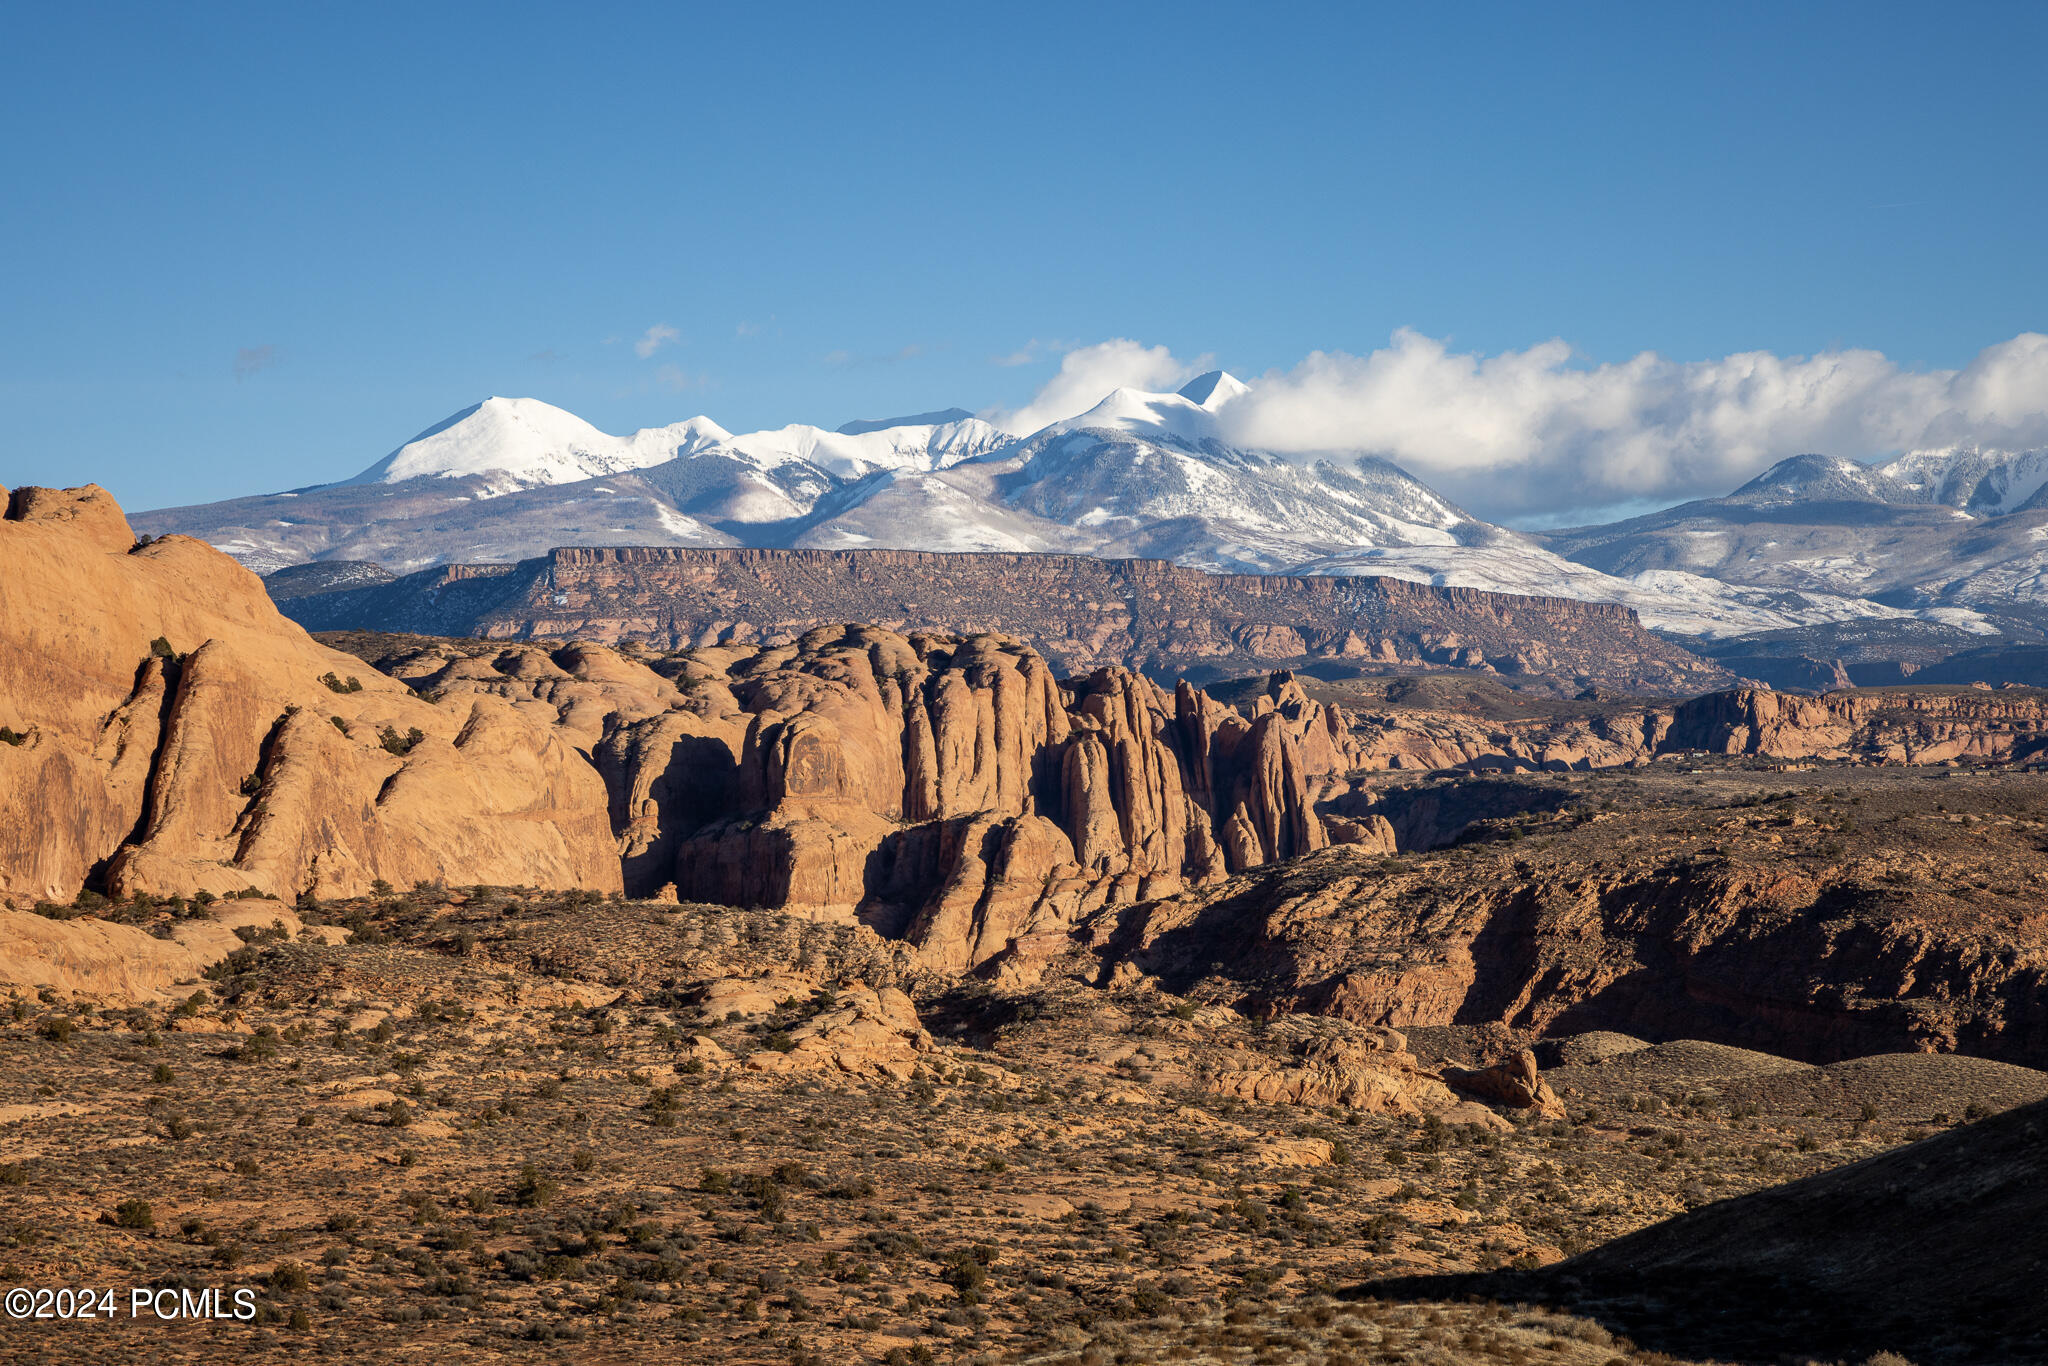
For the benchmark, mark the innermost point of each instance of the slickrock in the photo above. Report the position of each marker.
(1761, 927)
(1514, 1082)
(176, 732)
(865, 1033)
(98, 960)
(1368, 1070)
(746, 997)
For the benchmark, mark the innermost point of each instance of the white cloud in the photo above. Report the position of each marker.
(1086, 375)
(1526, 432)
(653, 339)
(677, 380)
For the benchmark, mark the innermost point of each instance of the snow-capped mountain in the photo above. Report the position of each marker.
(1665, 599)
(1985, 483)
(1941, 537)
(1931, 531)
(511, 444)
(1149, 474)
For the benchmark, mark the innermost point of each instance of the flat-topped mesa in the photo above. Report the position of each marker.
(1082, 613)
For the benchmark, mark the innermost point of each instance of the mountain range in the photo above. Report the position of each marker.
(1943, 548)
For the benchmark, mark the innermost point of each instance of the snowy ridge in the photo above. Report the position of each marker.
(520, 443)
(1665, 599)
(1152, 475)
(1988, 483)
(523, 443)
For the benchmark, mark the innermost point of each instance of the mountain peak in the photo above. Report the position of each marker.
(937, 418)
(1818, 478)
(1214, 389)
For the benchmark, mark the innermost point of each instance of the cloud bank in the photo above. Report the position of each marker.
(1086, 376)
(1528, 433)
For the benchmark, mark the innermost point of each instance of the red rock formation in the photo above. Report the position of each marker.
(951, 790)
(1513, 1082)
(1663, 948)
(176, 736)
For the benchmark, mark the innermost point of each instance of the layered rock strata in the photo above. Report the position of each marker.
(1082, 613)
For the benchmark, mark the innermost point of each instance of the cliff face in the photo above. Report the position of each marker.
(1878, 725)
(1147, 616)
(942, 789)
(1779, 930)
(171, 733)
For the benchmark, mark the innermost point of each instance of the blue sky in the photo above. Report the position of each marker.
(253, 248)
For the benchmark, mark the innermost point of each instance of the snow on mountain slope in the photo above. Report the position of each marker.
(1149, 474)
(523, 443)
(854, 455)
(1988, 483)
(1821, 478)
(1668, 600)
(520, 443)
(1813, 540)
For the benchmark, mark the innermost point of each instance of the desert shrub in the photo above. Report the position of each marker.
(401, 745)
(134, 1213)
(260, 1046)
(534, 1188)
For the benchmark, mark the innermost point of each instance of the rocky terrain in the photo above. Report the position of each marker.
(1823, 1259)
(1081, 613)
(495, 1125)
(1817, 914)
(967, 1009)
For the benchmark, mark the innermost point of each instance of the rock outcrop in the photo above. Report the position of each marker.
(1869, 725)
(864, 1032)
(1369, 1070)
(952, 791)
(1514, 1082)
(167, 731)
(1911, 946)
(90, 959)
(945, 789)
